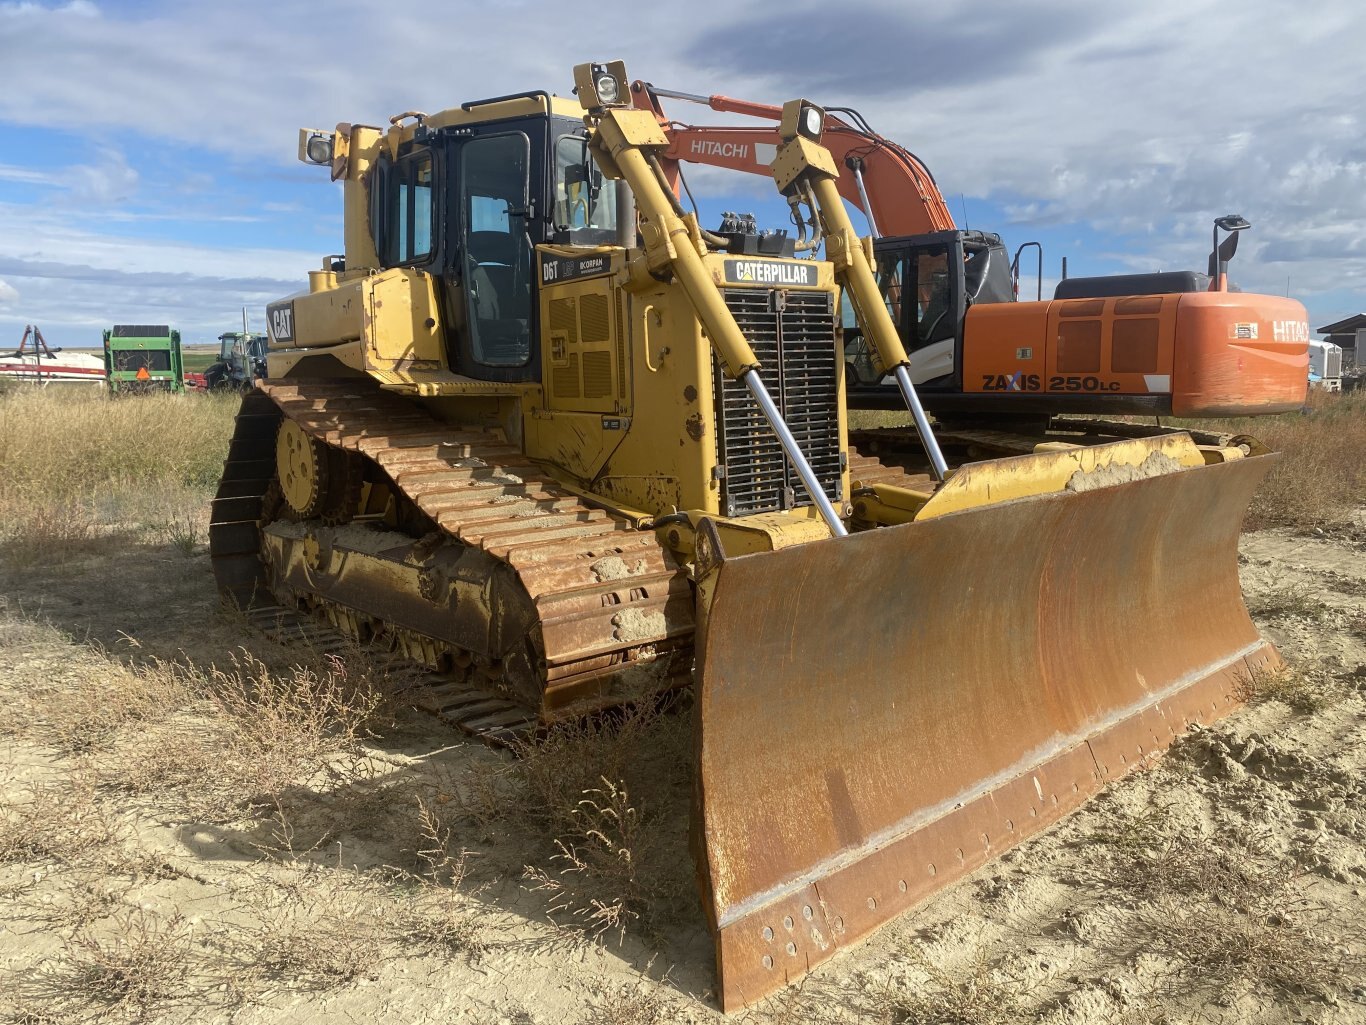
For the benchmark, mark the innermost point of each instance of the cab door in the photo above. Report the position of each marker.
(499, 176)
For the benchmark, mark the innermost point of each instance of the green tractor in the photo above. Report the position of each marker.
(241, 360)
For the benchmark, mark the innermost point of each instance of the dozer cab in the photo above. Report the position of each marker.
(540, 433)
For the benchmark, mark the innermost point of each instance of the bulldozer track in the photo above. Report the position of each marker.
(473, 710)
(607, 596)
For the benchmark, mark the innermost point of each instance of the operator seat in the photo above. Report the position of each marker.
(500, 313)
(491, 255)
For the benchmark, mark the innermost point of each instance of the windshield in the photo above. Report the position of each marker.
(225, 344)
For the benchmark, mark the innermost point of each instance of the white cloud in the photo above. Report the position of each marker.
(8, 293)
(110, 180)
(76, 280)
(25, 175)
(1138, 122)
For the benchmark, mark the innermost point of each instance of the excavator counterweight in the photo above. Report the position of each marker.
(547, 439)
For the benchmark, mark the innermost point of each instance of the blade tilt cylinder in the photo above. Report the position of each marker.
(922, 422)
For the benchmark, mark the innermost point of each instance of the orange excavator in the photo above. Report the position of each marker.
(1174, 343)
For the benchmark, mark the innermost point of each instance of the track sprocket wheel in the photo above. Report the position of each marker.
(301, 463)
(345, 479)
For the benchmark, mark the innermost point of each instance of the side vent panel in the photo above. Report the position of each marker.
(564, 380)
(583, 348)
(597, 375)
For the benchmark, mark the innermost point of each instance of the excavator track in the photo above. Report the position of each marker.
(609, 611)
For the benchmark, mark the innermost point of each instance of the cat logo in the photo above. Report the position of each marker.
(281, 321)
(771, 272)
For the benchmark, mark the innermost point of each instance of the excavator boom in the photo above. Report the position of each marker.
(893, 187)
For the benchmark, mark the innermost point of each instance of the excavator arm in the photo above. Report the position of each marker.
(887, 181)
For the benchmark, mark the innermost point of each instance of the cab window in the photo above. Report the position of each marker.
(585, 206)
(497, 250)
(405, 234)
(933, 317)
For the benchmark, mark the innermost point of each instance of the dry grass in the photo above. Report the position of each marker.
(57, 821)
(281, 752)
(118, 962)
(76, 466)
(319, 930)
(629, 1005)
(436, 917)
(601, 876)
(133, 961)
(442, 922)
(556, 770)
(607, 803)
(1298, 600)
(1230, 916)
(1321, 475)
(292, 727)
(1306, 689)
(981, 994)
(84, 710)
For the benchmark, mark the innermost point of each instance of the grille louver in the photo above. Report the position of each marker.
(793, 335)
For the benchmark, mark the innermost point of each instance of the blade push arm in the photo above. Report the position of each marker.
(626, 144)
(804, 170)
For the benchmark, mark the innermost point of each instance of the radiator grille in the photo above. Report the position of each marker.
(793, 334)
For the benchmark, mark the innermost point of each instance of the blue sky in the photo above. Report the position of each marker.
(147, 148)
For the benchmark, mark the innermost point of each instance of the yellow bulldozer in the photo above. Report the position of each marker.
(541, 433)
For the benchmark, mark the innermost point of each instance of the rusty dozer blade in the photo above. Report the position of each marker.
(883, 713)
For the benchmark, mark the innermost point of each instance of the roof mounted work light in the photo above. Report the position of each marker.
(804, 118)
(601, 85)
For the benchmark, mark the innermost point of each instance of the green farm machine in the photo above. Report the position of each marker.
(143, 358)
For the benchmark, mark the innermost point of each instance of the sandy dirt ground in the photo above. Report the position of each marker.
(146, 874)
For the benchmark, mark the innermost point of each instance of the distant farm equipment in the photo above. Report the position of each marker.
(241, 361)
(143, 358)
(36, 362)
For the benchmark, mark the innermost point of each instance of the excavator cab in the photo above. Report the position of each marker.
(929, 282)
